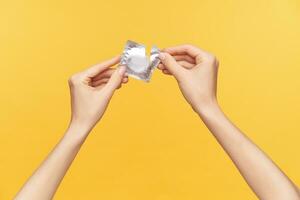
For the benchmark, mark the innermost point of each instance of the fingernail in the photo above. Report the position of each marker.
(161, 56)
(122, 70)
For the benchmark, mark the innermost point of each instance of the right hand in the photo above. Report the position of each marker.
(196, 73)
(91, 91)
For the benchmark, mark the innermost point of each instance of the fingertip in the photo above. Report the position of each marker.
(160, 66)
(165, 71)
(162, 56)
(165, 57)
(125, 80)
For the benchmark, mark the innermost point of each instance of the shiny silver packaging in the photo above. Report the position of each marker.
(137, 63)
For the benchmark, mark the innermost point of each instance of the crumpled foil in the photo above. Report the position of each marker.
(137, 63)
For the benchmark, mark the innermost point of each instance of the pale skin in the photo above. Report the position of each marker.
(91, 91)
(196, 73)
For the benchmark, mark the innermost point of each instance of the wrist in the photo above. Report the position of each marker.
(77, 131)
(74, 136)
(81, 124)
(208, 107)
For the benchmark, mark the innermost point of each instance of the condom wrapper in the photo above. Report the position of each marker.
(137, 63)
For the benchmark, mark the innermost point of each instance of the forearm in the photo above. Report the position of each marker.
(266, 180)
(43, 184)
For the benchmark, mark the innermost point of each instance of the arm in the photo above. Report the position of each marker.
(196, 73)
(91, 91)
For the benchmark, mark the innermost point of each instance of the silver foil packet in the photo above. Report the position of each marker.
(137, 63)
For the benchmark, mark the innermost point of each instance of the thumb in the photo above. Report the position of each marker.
(170, 63)
(115, 79)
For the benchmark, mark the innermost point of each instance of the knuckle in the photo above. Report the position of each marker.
(73, 79)
(168, 57)
(191, 46)
(188, 46)
(212, 58)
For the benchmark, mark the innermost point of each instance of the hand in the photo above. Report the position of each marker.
(91, 91)
(196, 73)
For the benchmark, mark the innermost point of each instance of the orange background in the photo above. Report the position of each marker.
(150, 144)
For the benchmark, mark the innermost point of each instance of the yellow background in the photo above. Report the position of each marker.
(150, 144)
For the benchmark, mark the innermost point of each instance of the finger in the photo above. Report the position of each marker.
(98, 68)
(119, 86)
(125, 80)
(165, 71)
(186, 64)
(161, 66)
(105, 80)
(184, 57)
(183, 63)
(105, 74)
(115, 80)
(171, 65)
(186, 49)
(99, 82)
